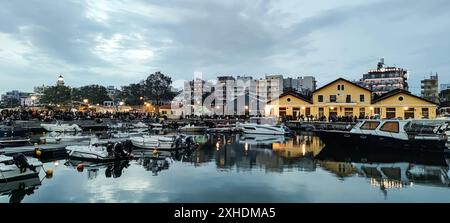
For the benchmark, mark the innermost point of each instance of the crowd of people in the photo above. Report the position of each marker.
(53, 115)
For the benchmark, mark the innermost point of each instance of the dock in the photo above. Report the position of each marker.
(48, 150)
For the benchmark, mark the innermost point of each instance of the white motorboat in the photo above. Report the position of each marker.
(58, 127)
(193, 128)
(162, 142)
(58, 137)
(117, 126)
(156, 127)
(140, 125)
(264, 129)
(18, 167)
(97, 152)
(126, 135)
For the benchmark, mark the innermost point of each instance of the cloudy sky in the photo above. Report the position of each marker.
(118, 42)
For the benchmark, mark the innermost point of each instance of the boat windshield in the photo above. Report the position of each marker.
(426, 126)
(370, 125)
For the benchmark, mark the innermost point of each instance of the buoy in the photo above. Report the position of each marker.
(38, 152)
(49, 173)
(80, 167)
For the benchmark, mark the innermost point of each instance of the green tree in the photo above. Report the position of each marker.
(95, 94)
(56, 95)
(157, 88)
(131, 94)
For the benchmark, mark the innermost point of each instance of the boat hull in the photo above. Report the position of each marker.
(12, 172)
(364, 141)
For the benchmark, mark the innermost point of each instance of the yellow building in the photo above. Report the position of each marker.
(342, 98)
(289, 104)
(402, 104)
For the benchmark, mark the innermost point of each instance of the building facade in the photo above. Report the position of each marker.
(384, 79)
(304, 85)
(429, 88)
(342, 98)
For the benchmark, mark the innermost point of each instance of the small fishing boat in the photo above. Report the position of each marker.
(193, 128)
(58, 137)
(139, 125)
(59, 127)
(156, 127)
(126, 135)
(18, 167)
(162, 142)
(98, 153)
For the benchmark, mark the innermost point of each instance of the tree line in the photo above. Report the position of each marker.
(156, 88)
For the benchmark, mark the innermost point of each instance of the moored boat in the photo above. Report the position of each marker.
(59, 127)
(193, 128)
(18, 167)
(99, 153)
(163, 142)
(58, 137)
(393, 134)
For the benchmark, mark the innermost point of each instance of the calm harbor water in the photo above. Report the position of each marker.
(238, 168)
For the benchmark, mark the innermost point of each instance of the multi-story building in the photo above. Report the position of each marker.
(194, 94)
(429, 88)
(303, 85)
(270, 87)
(16, 98)
(342, 98)
(384, 79)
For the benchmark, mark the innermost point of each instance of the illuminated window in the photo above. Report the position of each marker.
(390, 127)
(370, 125)
(390, 113)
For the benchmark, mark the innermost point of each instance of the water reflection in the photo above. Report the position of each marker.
(273, 166)
(387, 169)
(17, 190)
(111, 169)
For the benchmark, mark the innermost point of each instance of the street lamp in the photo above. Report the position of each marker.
(85, 100)
(121, 103)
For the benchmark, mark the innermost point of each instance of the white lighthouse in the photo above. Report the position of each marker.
(60, 81)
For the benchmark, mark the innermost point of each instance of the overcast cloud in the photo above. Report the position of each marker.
(118, 42)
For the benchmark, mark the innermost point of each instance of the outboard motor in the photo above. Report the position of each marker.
(22, 163)
(118, 150)
(109, 148)
(178, 142)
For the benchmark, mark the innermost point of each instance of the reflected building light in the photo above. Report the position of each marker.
(303, 149)
(246, 146)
